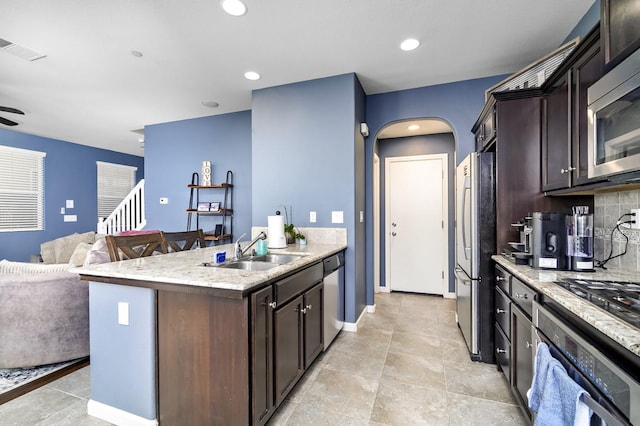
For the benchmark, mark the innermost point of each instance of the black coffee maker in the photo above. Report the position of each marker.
(548, 241)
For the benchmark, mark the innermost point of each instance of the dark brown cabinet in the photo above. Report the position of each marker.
(620, 30)
(485, 130)
(262, 398)
(565, 122)
(313, 324)
(514, 334)
(521, 356)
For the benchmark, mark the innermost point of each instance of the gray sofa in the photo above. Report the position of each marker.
(44, 315)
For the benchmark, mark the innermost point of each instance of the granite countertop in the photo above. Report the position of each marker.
(542, 280)
(185, 268)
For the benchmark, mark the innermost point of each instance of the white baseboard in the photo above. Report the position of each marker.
(352, 327)
(371, 309)
(384, 290)
(449, 295)
(117, 416)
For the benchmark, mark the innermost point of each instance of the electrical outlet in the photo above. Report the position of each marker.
(636, 218)
(312, 217)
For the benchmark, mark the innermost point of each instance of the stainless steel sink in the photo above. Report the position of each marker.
(277, 258)
(249, 265)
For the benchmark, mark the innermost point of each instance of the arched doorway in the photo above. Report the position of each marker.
(426, 136)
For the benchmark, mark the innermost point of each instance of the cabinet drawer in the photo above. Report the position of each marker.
(503, 313)
(291, 286)
(522, 295)
(503, 353)
(502, 280)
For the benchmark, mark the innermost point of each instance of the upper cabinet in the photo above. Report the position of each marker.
(619, 29)
(564, 116)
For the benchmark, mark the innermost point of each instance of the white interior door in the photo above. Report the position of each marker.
(416, 232)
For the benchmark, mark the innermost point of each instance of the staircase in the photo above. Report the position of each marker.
(128, 216)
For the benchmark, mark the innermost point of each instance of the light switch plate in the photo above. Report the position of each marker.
(123, 313)
(164, 200)
(312, 217)
(337, 217)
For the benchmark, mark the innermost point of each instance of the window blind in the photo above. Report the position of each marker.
(115, 181)
(21, 189)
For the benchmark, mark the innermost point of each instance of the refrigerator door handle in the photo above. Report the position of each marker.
(466, 192)
(461, 274)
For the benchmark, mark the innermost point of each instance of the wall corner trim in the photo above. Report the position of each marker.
(352, 327)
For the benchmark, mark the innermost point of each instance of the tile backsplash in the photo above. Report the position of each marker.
(608, 209)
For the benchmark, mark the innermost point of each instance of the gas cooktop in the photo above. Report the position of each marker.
(621, 299)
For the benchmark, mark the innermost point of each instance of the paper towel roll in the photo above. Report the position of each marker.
(275, 232)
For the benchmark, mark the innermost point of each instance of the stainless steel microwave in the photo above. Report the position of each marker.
(614, 120)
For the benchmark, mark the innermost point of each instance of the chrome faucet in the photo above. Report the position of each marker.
(239, 252)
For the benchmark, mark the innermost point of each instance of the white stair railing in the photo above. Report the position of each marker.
(128, 216)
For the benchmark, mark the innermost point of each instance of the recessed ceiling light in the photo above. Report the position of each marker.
(210, 104)
(136, 53)
(251, 75)
(413, 127)
(234, 7)
(409, 44)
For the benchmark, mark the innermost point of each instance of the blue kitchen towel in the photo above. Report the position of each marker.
(554, 396)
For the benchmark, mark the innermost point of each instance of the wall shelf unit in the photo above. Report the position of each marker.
(216, 209)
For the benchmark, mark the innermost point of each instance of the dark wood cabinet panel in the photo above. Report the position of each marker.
(521, 355)
(313, 324)
(503, 353)
(565, 121)
(556, 159)
(288, 347)
(262, 400)
(202, 363)
(620, 30)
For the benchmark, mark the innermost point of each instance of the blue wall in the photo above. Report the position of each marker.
(587, 22)
(459, 104)
(419, 145)
(305, 153)
(173, 151)
(70, 174)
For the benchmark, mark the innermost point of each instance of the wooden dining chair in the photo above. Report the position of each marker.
(123, 247)
(181, 241)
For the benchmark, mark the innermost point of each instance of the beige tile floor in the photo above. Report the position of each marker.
(406, 365)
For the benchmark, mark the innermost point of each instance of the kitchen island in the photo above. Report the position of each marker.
(176, 342)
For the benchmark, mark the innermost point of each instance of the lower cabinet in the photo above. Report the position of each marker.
(521, 355)
(514, 335)
(286, 337)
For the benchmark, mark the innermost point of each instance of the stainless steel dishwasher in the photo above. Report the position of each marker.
(333, 297)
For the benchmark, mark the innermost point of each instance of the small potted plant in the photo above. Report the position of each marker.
(302, 240)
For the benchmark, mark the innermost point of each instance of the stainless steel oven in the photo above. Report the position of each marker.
(614, 120)
(614, 394)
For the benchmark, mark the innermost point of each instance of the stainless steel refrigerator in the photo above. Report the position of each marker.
(475, 243)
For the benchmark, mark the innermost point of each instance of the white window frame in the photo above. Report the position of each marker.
(21, 189)
(114, 183)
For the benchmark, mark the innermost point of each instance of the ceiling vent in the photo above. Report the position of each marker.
(20, 51)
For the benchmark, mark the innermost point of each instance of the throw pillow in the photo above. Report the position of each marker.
(65, 246)
(80, 254)
(9, 267)
(99, 253)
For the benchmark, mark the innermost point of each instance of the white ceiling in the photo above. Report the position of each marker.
(90, 89)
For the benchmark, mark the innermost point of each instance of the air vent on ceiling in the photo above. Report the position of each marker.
(20, 51)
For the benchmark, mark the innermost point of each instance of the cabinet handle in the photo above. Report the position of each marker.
(305, 309)
(500, 351)
(528, 345)
(567, 170)
(521, 296)
(499, 278)
(271, 305)
(500, 311)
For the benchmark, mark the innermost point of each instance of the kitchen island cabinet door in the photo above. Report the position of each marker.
(313, 324)
(262, 401)
(288, 347)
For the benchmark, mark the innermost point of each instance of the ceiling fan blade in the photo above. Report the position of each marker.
(9, 109)
(7, 122)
